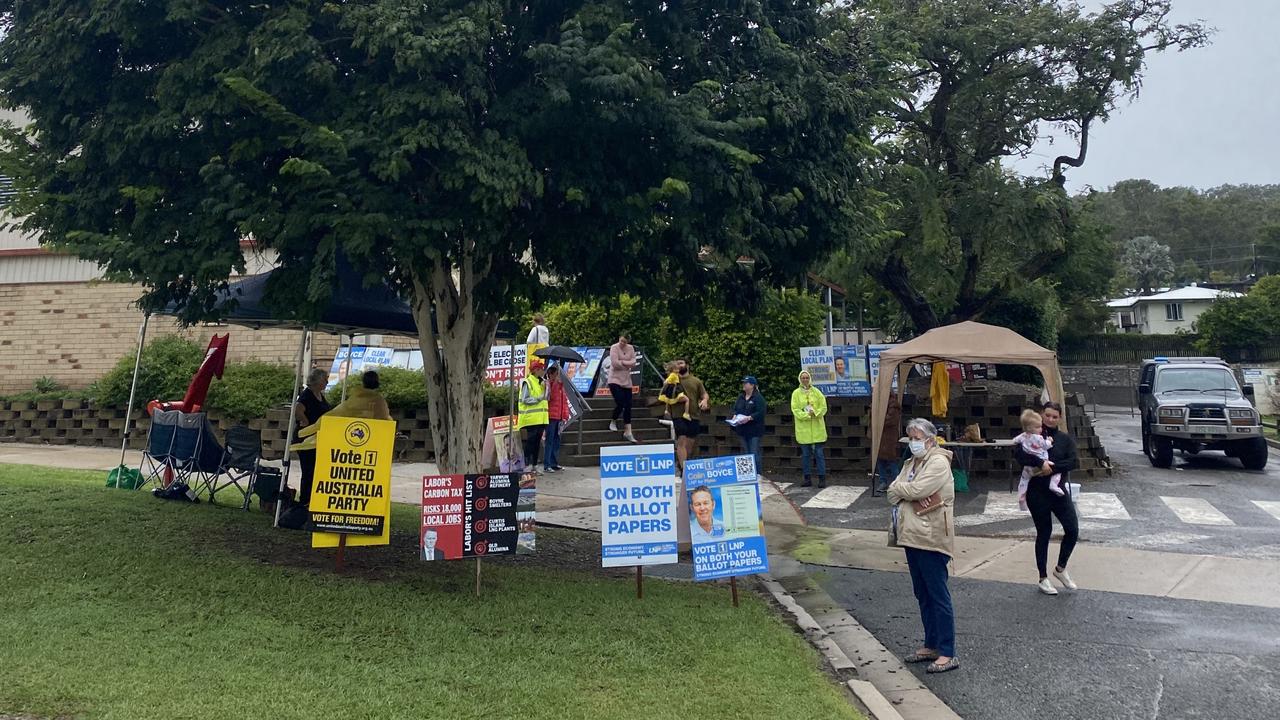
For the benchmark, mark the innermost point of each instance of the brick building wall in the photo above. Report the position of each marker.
(74, 332)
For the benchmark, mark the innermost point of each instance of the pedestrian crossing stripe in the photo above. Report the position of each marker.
(999, 507)
(835, 497)
(1196, 511)
(1271, 506)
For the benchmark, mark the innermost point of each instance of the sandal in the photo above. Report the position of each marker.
(919, 657)
(948, 666)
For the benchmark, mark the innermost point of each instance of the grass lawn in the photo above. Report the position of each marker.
(118, 605)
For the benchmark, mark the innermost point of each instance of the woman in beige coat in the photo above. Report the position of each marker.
(923, 498)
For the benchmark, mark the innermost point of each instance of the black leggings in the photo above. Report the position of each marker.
(1044, 505)
(532, 442)
(307, 461)
(621, 402)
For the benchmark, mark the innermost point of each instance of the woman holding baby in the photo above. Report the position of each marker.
(1046, 493)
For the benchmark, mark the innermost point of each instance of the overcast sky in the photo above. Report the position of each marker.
(1205, 117)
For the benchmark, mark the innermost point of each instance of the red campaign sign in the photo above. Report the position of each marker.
(475, 515)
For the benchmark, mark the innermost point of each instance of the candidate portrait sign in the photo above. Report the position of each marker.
(583, 375)
(467, 516)
(639, 497)
(352, 490)
(725, 526)
(837, 371)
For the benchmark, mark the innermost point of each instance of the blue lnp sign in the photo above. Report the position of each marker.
(638, 501)
(725, 527)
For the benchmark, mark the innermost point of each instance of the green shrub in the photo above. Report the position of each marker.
(248, 390)
(168, 362)
(728, 345)
(497, 399)
(403, 389)
(598, 323)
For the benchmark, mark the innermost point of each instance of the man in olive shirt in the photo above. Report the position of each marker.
(688, 430)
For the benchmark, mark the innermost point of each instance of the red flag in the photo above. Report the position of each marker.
(215, 361)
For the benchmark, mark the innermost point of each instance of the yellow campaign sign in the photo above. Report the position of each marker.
(352, 491)
(530, 358)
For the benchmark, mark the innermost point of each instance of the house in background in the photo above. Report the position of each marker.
(1163, 313)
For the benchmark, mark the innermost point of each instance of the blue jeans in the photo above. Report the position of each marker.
(814, 451)
(887, 472)
(929, 580)
(751, 446)
(551, 450)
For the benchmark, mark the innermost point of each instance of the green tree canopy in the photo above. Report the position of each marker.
(1147, 263)
(982, 81)
(1233, 327)
(1225, 229)
(473, 151)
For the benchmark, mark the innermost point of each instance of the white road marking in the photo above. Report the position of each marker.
(835, 497)
(768, 488)
(1271, 506)
(1101, 506)
(1001, 506)
(1196, 511)
(1160, 540)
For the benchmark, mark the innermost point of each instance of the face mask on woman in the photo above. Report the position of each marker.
(918, 448)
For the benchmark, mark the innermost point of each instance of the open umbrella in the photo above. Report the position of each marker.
(559, 352)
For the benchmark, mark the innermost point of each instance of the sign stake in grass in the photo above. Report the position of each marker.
(339, 560)
(733, 589)
(639, 584)
(477, 577)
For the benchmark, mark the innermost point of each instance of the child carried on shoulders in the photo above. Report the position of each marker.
(672, 392)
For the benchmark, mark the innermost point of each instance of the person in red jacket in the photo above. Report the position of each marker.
(558, 413)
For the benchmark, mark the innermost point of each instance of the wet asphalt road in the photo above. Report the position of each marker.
(1083, 655)
(1141, 491)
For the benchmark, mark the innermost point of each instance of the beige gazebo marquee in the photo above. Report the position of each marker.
(966, 342)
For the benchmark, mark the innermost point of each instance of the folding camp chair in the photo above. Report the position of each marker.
(196, 455)
(155, 464)
(241, 459)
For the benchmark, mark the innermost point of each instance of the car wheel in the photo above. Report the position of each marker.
(1146, 440)
(1161, 452)
(1253, 454)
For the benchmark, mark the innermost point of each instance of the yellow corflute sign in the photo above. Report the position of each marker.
(352, 490)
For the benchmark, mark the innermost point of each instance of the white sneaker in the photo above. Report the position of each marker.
(630, 438)
(1047, 587)
(1065, 579)
(613, 425)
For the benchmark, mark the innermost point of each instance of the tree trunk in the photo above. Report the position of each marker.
(892, 276)
(454, 357)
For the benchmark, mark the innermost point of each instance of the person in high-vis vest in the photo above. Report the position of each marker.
(534, 415)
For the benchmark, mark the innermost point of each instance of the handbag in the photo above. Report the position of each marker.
(927, 505)
(893, 526)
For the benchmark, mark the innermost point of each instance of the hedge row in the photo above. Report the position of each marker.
(722, 346)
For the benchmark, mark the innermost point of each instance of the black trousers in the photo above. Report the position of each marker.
(306, 461)
(621, 402)
(532, 442)
(1044, 506)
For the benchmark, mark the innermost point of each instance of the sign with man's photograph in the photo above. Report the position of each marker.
(725, 525)
(477, 515)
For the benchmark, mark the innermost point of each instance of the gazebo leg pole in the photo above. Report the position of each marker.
(293, 416)
(133, 386)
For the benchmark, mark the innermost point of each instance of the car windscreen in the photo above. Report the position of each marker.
(1200, 379)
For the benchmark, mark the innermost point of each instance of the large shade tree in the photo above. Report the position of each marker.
(472, 151)
(980, 82)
